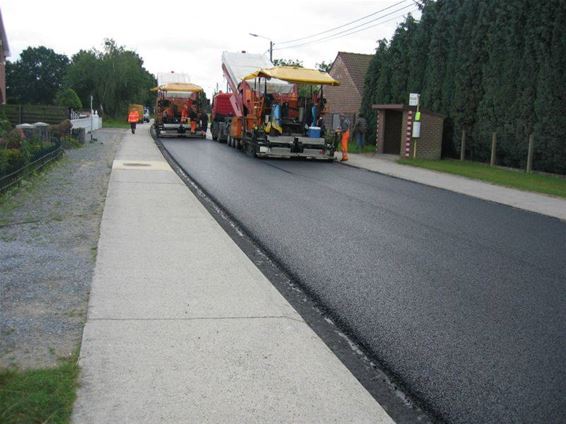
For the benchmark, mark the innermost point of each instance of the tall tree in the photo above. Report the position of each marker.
(489, 66)
(36, 76)
(370, 94)
(114, 76)
(81, 75)
(400, 51)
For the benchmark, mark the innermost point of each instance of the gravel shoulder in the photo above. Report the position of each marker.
(49, 231)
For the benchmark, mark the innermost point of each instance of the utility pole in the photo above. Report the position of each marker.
(493, 149)
(91, 117)
(271, 43)
(271, 51)
(530, 153)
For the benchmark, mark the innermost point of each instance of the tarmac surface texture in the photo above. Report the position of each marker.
(462, 299)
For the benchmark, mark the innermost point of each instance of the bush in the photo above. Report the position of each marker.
(5, 126)
(33, 149)
(11, 160)
(13, 139)
(68, 97)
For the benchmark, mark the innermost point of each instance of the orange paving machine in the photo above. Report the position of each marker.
(278, 110)
(178, 110)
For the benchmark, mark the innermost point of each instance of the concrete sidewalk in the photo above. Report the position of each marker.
(182, 327)
(534, 202)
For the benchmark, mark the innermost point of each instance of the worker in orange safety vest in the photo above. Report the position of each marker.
(344, 131)
(133, 118)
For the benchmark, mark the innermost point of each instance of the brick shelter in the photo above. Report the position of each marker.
(350, 69)
(4, 53)
(394, 131)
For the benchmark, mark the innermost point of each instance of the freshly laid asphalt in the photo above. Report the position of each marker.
(463, 300)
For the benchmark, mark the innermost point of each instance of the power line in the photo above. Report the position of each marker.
(350, 31)
(344, 25)
(373, 26)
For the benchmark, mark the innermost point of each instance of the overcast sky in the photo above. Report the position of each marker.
(190, 36)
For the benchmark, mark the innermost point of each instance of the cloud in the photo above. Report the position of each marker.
(190, 36)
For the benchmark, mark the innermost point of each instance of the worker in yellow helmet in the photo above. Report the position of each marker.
(133, 118)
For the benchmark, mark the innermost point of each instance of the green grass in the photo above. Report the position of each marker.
(546, 184)
(39, 396)
(115, 123)
(353, 148)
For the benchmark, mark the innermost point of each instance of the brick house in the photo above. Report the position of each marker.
(394, 132)
(4, 53)
(350, 69)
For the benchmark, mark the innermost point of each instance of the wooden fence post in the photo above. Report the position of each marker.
(493, 147)
(463, 146)
(530, 153)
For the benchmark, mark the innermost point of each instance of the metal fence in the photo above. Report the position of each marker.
(37, 163)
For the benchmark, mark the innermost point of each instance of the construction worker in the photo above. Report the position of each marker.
(203, 123)
(184, 113)
(360, 128)
(133, 118)
(193, 116)
(344, 131)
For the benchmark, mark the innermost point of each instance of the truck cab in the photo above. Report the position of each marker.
(222, 113)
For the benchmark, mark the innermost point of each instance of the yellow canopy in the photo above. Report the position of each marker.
(181, 87)
(294, 74)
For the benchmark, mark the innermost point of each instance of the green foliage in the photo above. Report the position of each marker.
(5, 124)
(15, 153)
(13, 139)
(11, 160)
(288, 62)
(489, 66)
(324, 66)
(38, 396)
(68, 97)
(115, 123)
(114, 76)
(36, 76)
(71, 142)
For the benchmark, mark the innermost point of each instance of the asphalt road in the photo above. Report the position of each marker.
(464, 300)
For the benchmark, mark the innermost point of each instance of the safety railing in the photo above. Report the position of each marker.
(15, 177)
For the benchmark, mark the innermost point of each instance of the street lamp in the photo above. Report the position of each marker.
(271, 43)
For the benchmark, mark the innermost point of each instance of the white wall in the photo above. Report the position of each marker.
(86, 123)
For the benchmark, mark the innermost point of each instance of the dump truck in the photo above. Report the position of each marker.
(278, 110)
(178, 107)
(221, 116)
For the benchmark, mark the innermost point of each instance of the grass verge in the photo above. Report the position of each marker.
(39, 396)
(353, 148)
(115, 123)
(538, 183)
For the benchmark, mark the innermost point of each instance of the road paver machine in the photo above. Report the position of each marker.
(278, 111)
